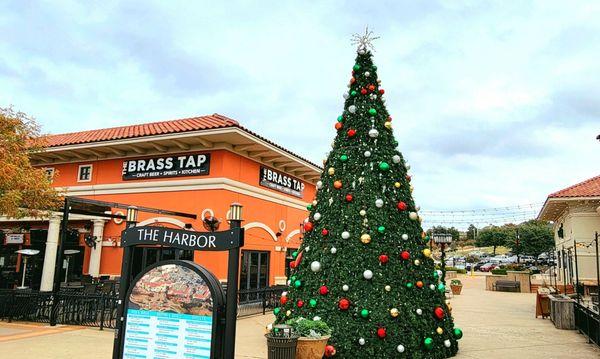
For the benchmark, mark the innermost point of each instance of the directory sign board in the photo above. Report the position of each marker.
(173, 311)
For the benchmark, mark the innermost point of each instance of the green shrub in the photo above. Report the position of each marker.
(455, 282)
(454, 269)
(309, 328)
(499, 271)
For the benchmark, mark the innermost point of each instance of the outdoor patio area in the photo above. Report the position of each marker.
(495, 324)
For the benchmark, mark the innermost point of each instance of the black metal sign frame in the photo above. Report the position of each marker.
(217, 296)
(230, 240)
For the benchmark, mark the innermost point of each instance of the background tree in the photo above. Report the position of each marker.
(471, 232)
(536, 237)
(24, 190)
(364, 266)
(492, 236)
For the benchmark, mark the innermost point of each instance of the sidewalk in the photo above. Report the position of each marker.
(495, 325)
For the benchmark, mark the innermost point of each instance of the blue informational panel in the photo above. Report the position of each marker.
(172, 312)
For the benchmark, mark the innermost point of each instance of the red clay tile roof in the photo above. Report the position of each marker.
(145, 129)
(157, 128)
(587, 188)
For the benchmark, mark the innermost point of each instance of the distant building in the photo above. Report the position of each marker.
(575, 213)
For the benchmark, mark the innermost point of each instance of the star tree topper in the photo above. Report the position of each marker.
(365, 41)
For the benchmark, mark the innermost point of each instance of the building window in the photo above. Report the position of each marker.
(85, 173)
(49, 173)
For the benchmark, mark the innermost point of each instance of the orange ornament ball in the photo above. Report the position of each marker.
(419, 284)
(371, 87)
(338, 126)
(337, 184)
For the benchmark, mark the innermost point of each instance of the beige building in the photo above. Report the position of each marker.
(575, 212)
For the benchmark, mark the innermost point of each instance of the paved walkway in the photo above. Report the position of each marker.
(495, 325)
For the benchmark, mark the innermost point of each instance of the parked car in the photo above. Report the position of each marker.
(488, 267)
(478, 265)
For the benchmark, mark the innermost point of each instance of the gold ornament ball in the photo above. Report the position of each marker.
(365, 238)
(388, 288)
(288, 313)
(427, 252)
(412, 188)
(397, 184)
(331, 171)
(417, 262)
(440, 331)
(394, 312)
(388, 125)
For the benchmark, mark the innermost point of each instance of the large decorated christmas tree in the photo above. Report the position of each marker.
(364, 266)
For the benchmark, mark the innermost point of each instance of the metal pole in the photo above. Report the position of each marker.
(443, 260)
(564, 265)
(124, 285)
(233, 266)
(24, 271)
(517, 245)
(576, 270)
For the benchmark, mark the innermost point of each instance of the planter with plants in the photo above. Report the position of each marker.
(281, 342)
(314, 335)
(456, 286)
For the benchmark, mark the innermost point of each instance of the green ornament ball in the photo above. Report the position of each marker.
(293, 278)
(409, 285)
(427, 238)
(312, 303)
(276, 310)
(373, 111)
(297, 283)
(441, 287)
(295, 254)
(364, 313)
(384, 166)
(356, 67)
(458, 333)
(309, 207)
(343, 158)
(428, 342)
(381, 229)
(352, 93)
(340, 118)
(435, 274)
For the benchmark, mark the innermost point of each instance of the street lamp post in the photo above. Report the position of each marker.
(442, 239)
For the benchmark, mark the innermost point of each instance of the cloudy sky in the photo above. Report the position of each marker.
(495, 103)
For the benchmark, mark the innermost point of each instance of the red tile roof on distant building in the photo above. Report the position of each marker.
(146, 129)
(587, 188)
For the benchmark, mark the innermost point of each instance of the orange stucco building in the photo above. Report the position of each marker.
(198, 165)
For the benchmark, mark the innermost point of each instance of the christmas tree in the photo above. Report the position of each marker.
(364, 266)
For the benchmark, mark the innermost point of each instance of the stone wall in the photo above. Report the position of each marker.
(522, 277)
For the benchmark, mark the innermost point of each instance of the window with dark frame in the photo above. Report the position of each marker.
(85, 173)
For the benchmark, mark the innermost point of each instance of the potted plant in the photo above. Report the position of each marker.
(456, 286)
(314, 335)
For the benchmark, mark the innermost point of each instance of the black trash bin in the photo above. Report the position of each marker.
(281, 347)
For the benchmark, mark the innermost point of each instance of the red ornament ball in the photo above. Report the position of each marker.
(363, 91)
(323, 290)
(351, 132)
(293, 264)
(402, 206)
(352, 80)
(381, 333)
(419, 284)
(371, 87)
(337, 184)
(300, 303)
(408, 178)
(439, 312)
(329, 351)
(383, 259)
(308, 226)
(349, 197)
(344, 304)
(338, 126)
(405, 255)
(283, 300)
(381, 91)
(324, 231)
